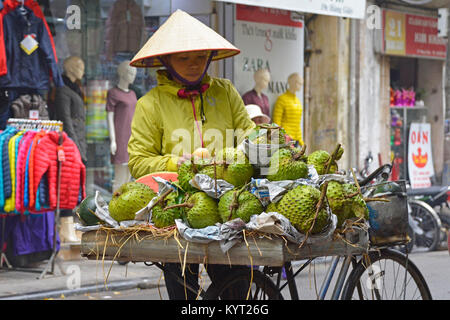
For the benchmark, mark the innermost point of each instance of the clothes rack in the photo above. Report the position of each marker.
(47, 125)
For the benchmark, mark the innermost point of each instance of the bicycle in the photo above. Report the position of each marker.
(377, 275)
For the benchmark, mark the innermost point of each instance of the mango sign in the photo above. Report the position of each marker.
(420, 160)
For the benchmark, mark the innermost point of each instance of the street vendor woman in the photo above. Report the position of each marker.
(187, 111)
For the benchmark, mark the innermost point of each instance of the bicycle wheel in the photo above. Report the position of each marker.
(427, 223)
(236, 287)
(386, 275)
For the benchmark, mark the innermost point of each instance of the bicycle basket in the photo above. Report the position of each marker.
(388, 220)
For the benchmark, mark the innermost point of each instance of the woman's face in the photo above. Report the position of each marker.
(189, 65)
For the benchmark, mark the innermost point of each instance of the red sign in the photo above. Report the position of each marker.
(412, 35)
(266, 15)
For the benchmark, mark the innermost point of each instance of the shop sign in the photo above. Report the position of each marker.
(268, 39)
(340, 8)
(420, 160)
(412, 35)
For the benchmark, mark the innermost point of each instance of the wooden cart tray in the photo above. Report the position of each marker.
(269, 250)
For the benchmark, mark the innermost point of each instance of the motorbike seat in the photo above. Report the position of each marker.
(431, 191)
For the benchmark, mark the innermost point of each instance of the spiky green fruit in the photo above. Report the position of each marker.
(189, 169)
(286, 164)
(129, 199)
(235, 204)
(356, 206)
(299, 207)
(234, 166)
(267, 134)
(337, 200)
(271, 207)
(202, 211)
(320, 158)
(163, 217)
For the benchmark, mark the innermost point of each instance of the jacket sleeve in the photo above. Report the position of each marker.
(278, 111)
(241, 119)
(145, 144)
(49, 55)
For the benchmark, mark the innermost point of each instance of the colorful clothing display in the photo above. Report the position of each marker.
(32, 171)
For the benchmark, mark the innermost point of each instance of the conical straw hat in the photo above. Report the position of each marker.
(181, 33)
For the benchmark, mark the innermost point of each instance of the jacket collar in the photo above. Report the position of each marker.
(171, 86)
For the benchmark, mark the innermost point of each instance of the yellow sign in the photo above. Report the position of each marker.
(395, 33)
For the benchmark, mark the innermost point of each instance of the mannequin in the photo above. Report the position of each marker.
(287, 111)
(69, 108)
(256, 95)
(120, 105)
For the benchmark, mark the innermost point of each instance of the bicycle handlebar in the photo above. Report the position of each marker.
(384, 171)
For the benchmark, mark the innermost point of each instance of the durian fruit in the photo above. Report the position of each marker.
(233, 166)
(239, 204)
(201, 211)
(320, 158)
(162, 213)
(287, 164)
(299, 206)
(267, 134)
(189, 169)
(129, 199)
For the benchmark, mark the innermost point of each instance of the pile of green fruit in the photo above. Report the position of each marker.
(306, 206)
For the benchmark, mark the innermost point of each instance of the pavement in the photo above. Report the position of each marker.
(74, 277)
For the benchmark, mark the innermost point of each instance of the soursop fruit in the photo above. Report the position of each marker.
(337, 200)
(201, 211)
(129, 199)
(356, 207)
(299, 207)
(287, 164)
(189, 169)
(271, 207)
(320, 158)
(235, 204)
(234, 166)
(163, 217)
(267, 134)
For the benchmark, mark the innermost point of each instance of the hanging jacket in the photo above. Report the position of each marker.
(5, 134)
(31, 190)
(164, 125)
(124, 28)
(73, 171)
(20, 168)
(10, 202)
(22, 106)
(17, 68)
(6, 167)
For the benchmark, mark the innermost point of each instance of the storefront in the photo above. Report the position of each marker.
(417, 110)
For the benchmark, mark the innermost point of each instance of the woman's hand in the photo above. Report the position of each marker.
(183, 159)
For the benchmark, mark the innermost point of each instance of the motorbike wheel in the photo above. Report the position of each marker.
(427, 221)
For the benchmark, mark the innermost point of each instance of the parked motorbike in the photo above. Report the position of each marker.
(430, 214)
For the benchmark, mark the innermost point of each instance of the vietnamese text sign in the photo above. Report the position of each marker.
(269, 39)
(420, 160)
(340, 8)
(412, 35)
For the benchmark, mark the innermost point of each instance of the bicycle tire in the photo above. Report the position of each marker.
(429, 222)
(263, 285)
(378, 261)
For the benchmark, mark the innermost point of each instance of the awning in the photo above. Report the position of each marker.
(342, 8)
